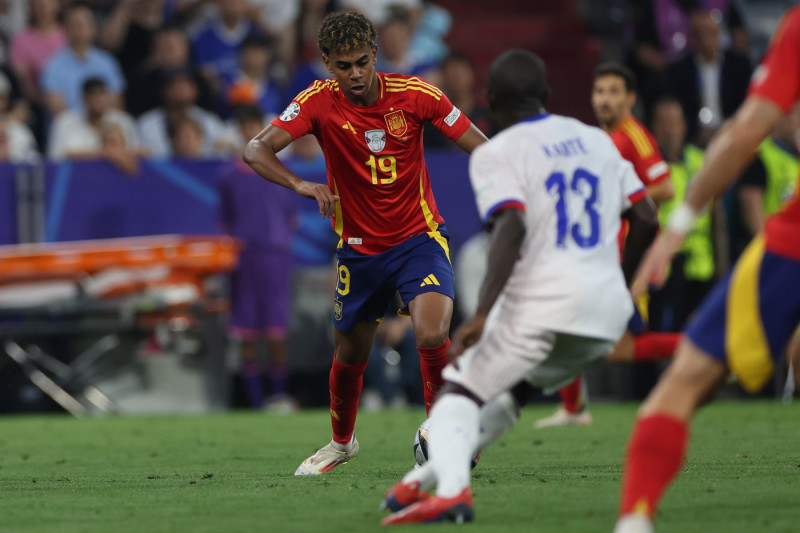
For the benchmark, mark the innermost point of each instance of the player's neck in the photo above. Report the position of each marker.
(614, 125)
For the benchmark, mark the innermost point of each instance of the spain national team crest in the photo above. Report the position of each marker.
(396, 123)
(376, 139)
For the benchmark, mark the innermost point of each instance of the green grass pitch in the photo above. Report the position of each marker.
(234, 472)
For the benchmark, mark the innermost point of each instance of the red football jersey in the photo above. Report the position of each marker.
(637, 145)
(778, 79)
(374, 156)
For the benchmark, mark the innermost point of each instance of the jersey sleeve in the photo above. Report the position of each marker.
(299, 116)
(435, 107)
(495, 182)
(643, 152)
(632, 189)
(778, 77)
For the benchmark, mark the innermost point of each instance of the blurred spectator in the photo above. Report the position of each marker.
(394, 39)
(18, 143)
(427, 42)
(692, 272)
(661, 35)
(13, 19)
(278, 19)
(97, 131)
(253, 85)
(380, 11)
(766, 184)
(307, 73)
(458, 83)
(32, 47)
(63, 76)
(170, 50)
(186, 138)
(129, 31)
(710, 81)
(179, 97)
(309, 20)
(262, 215)
(216, 45)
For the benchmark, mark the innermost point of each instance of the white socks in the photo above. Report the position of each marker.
(453, 440)
(494, 419)
(497, 417)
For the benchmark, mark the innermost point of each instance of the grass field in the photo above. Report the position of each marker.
(234, 472)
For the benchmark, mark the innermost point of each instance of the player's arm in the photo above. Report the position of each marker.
(471, 139)
(505, 242)
(260, 154)
(661, 191)
(643, 220)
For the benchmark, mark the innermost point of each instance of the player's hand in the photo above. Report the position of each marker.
(322, 194)
(468, 334)
(653, 270)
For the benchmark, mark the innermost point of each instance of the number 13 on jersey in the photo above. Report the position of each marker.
(582, 180)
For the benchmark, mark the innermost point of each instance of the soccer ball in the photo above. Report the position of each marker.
(421, 444)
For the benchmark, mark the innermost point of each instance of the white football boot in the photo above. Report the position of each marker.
(562, 417)
(327, 458)
(634, 523)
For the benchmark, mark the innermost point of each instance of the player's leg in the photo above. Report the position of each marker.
(743, 326)
(572, 411)
(657, 446)
(276, 303)
(430, 315)
(424, 278)
(346, 380)
(360, 300)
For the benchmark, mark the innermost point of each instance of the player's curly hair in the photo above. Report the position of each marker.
(345, 31)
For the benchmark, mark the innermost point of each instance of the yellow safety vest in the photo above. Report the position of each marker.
(782, 169)
(698, 246)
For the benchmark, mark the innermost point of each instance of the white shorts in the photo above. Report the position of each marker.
(511, 352)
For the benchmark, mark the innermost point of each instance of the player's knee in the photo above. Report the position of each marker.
(430, 337)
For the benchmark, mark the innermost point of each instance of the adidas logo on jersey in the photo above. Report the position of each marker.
(429, 280)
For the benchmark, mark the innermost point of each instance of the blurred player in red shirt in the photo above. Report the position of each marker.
(378, 195)
(748, 320)
(613, 98)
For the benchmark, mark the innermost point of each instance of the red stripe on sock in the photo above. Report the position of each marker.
(572, 396)
(655, 346)
(656, 451)
(431, 363)
(346, 382)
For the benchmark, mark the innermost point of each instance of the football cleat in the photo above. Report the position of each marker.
(458, 509)
(327, 458)
(562, 417)
(634, 523)
(402, 495)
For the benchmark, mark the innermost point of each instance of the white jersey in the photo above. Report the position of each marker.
(573, 185)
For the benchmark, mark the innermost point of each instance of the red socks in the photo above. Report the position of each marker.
(345, 384)
(656, 451)
(655, 346)
(431, 363)
(572, 396)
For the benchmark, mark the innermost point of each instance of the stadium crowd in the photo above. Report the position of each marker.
(124, 79)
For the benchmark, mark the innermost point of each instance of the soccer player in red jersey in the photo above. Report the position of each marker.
(747, 321)
(613, 98)
(378, 195)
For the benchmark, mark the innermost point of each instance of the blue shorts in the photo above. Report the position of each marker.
(750, 316)
(367, 283)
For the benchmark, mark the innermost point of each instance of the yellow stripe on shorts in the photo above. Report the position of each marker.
(745, 339)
